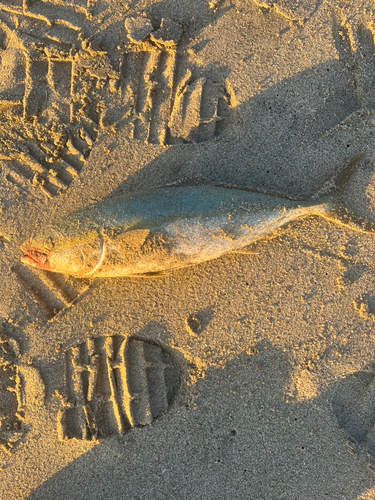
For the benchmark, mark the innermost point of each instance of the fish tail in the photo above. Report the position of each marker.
(333, 207)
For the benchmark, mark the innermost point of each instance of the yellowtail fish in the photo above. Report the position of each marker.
(163, 229)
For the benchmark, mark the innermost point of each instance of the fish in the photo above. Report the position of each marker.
(160, 230)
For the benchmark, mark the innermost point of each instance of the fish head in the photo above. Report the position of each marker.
(71, 250)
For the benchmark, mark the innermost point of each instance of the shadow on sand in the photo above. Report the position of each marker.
(242, 439)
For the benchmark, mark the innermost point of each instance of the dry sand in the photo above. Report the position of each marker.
(251, 376)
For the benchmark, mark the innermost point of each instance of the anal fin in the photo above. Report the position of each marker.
(156, 274)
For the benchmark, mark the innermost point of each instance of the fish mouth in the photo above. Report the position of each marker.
(35, 258)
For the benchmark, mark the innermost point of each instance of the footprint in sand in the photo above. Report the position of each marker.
(20, 389)
(114, 384)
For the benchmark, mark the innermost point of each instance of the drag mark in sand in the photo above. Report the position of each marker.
(113, 384)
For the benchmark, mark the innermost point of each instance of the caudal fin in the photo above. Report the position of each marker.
(337, 208)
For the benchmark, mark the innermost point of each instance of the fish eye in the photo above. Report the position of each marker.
(48, 244)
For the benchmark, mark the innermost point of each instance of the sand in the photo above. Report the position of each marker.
(249, 376)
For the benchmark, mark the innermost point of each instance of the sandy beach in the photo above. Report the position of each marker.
(251, 376)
